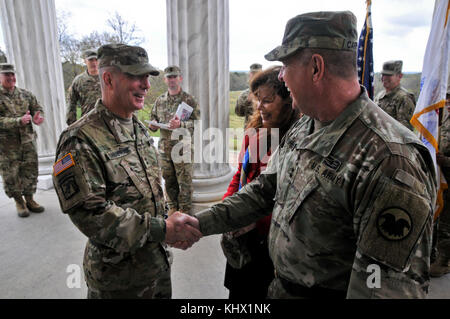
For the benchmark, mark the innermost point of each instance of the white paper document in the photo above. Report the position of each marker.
(184, 111)
(160, 125)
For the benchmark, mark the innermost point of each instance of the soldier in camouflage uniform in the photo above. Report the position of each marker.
(3, 57)
(442, 264)
(244, 103)
(107, 180)
(351, 191)
(177, 172)
(395, 100)
(19, 159)
(85, 89)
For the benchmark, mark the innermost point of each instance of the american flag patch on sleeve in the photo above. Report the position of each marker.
(63, 164)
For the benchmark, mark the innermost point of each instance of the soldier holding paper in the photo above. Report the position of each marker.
(176, 169)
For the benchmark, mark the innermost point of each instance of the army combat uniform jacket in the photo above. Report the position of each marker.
(353, 196)
(164, 110)
(12, 107)
(444, 146)
(399, 103)
(244, 107)
(18, 154)
(84, 92)
(177, 172)
(108, 181)
(443, 228)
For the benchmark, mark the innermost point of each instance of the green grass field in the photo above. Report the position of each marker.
(235, 121)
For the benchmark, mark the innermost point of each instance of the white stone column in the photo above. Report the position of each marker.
(31, 38)
(198, 41)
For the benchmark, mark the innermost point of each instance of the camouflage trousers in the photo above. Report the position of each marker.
(143, 274)
(178, 182)
(19, 168)
(443, 229)
(161, 288)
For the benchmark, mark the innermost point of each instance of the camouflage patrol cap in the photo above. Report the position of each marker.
(7, 68)
(392, 67)
(255, 67)
(172, 70)
(89, 54)
(320, 30)
(129, 59)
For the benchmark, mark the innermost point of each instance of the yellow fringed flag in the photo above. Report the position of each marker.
(434, 87)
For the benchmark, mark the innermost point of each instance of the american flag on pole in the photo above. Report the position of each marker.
(365, 53)
(63, 164)
(433, 87)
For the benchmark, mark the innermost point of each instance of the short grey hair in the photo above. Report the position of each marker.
(112, 69)
(339, 63)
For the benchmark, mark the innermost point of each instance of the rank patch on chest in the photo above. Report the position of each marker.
(332, 163)
(63, 164)
(394, 224)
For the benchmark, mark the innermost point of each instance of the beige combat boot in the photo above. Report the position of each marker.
(22, 210)
(32, 205)
(440, 267)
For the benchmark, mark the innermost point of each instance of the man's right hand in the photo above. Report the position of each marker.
(182, 230)
(26, 118)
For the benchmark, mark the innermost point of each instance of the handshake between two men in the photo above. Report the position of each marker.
(182, 231)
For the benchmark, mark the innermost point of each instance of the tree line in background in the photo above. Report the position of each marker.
(122, 31)
(119, 31)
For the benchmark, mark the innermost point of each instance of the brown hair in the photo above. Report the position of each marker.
(269, 77)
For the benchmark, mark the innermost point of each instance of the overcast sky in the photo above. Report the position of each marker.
(401, 27)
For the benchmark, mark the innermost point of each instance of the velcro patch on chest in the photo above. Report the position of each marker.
(123, 151)
(328, 170)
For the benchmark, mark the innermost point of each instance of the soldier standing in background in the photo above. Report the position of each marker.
(19, 160)
(107, 180)
(85, 89)
(244, 103)
(395, 100)
(177, 173)
(350, 189)
(3, 57)
(442, 264)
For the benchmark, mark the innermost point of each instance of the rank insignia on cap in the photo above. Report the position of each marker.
(394, 224)
(63, 164)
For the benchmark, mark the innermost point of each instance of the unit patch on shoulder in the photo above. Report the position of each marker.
(398, 217)
(63, 164)
(69, 187)
(394, 223)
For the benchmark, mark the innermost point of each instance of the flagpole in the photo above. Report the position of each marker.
(369, 27)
